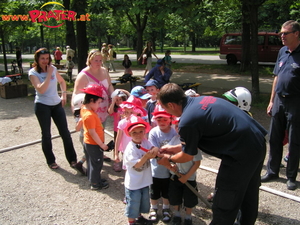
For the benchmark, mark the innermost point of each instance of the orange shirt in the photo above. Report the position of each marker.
(91, 121)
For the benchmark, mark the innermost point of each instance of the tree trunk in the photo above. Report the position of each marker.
(80, 7)
(139, 43)
(245, 63)
(139, 24)
(70, 32)
(193, 37)
(3, 48)
(254, 52)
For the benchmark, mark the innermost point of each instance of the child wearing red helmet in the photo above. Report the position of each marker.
(138, 175)
(160, 136)
(93, 136)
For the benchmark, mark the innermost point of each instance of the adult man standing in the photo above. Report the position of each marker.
(221, 129)
(284, 106)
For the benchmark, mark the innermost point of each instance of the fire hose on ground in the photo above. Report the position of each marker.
(263, 188)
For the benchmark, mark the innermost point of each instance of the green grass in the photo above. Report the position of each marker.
(261, 101)
(10, 60)
(212, 68)
(175, 51)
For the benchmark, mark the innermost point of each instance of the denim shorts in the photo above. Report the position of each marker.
(137, 202)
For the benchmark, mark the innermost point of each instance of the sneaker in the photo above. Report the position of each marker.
(143, 221)
(103, 185)
(106, 159)
(95, 187)
(78, 166)
(167, 215)
(176, 221)
(291, 184)
(188, 222)
(153, 215)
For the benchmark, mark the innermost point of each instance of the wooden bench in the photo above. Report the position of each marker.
(59, 67)
(125, 78)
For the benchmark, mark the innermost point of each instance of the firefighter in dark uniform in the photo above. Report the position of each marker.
(284, 106)
(221, 129)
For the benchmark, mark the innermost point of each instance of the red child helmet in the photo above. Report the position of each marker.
(93, 89)
(160, 112)
(134, 122)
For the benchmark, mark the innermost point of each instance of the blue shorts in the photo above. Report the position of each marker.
(137, 202)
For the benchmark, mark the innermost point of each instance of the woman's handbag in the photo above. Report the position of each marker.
(144, 60)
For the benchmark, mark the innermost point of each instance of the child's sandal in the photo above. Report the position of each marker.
(166, 215)
(153, 215)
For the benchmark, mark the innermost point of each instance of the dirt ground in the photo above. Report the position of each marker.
(31, 193)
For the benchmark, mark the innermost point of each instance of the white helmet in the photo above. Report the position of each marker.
(78, 100)
(240, 95)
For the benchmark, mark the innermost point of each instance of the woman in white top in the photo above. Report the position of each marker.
(48, 104)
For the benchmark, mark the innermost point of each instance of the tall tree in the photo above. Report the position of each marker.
(70, 32)
(80, 7)
(253, 6)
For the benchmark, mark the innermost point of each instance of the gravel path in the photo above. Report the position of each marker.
(31, 193)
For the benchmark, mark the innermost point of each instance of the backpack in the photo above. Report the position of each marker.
(114, 55)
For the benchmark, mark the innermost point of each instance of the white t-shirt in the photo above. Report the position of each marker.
(184, 168)
(50, 97)
(158, 139)
(136, 178)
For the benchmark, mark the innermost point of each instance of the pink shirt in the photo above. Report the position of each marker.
(125, 139)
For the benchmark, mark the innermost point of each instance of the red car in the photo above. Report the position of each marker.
(268, 46)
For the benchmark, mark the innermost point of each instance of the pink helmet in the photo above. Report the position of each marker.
(93, 89)
(134, 122)
(136, 104)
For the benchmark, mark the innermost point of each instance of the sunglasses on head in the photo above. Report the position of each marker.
(44, 52)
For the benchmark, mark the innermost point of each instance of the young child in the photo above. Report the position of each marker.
(138, 175)
(160, 136)
(131, 106)
(118, 96)
(178, 191)
(77, 104)
(168, 60)
(127, 64)
(152, 88)
(70, 65)
(141, 93)
(93, 136)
